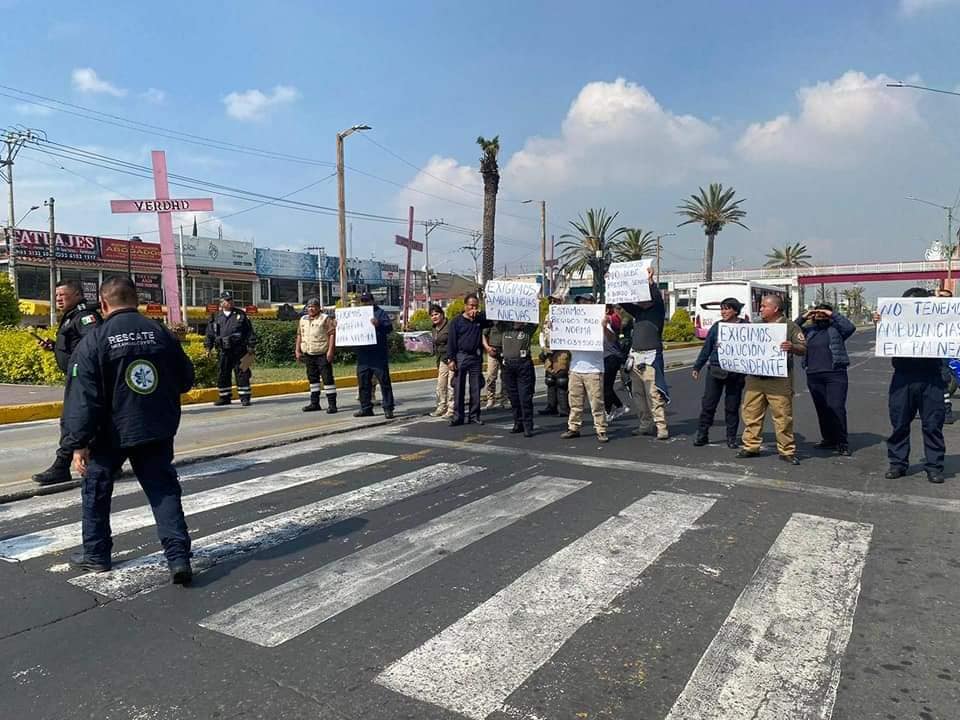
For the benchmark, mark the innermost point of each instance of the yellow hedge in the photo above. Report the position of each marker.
(22, 360)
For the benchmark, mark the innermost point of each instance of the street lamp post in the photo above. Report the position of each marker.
(342, 208)
(949, 245)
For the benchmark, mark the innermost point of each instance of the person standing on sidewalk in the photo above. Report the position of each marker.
(612, 360)
(719, 381)
(648, 379)
(518, 375)
(231, 333)
(315, 346)
(556, 370)
(773, 392)
(123, 402)
(77, 319)
(493, 347)
(441, 335)
(586, 382)
(464, 352)
(826, 362)
(373, 361)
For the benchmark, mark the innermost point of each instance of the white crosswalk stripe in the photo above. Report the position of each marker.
(476, 663)
(148, 573)
(51, 540)
(779, 651)
(278, 615)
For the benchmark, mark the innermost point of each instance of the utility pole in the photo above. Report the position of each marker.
(51, 257)
(13, 141)
(428, 227)
(543, 247)
(342, 208)
(660, 250)
(321, 254)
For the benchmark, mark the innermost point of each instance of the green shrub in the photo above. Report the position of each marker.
(22, 360)
(455, 308)
(275, 340)
(204, 364)
(420, 320)
(9, 307)
(679, 328)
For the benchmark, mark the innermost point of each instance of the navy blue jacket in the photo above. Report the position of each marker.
(708, 353)
(74, 326)
(466, 336)
(124, 384)
(839, 330)
(377, 355)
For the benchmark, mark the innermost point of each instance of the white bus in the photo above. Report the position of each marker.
(749, 293)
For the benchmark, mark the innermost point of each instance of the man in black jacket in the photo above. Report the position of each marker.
(373, 361)
(76, 321)
(123, 402)
(464, 352)
(719, 381)
(231, 332)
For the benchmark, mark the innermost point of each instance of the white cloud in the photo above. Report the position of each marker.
(86, 80)
(254, 104)
(154, 96)
(909, 8)
(837, 121)
(32, 110)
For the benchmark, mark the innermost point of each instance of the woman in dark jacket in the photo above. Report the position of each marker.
(719, 381)
(826, 364)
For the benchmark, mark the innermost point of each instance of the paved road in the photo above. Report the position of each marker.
(422, 571)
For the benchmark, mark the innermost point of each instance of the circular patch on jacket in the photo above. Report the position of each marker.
(142, 377)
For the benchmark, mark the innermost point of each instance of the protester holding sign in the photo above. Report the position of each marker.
(519, 377)
(718, 381)
(826, 364)
(917, 386)
(773, 391)
(648, 385)
(556, 368)
(586, 376)
(373, 361)
(464, 350)
(628, 282)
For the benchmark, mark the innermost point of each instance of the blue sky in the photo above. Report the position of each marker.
(627, 105)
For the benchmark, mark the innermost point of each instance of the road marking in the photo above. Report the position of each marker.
(687, 473)
(149, 572)
(45, 504)
(61, 537)
(779, 651)
(281, 614)
(474, 665)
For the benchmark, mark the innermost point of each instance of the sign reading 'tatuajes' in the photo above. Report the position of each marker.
(79, 248)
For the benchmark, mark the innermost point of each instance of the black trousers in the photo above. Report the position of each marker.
(731, 388)
(468, 369)
(320, 370)
(557, 398)
(829, 393)
(153, 465)
(611, 366)
(230, 364)
(910, 395)
(365, 375)
(519, 380)
(64, 455)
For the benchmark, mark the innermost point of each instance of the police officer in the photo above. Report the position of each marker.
(373, 361)
(77, 320)
(123, 402)
(518, 375)
(231, 332)
(556, 373)
(315, 346)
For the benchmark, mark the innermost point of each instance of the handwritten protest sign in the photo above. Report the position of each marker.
(354, 326)
(628, 282)
(512, 301)
(753, 349)
(576, 327)
(918, 327)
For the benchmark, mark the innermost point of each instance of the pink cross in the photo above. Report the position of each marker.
(163, 205)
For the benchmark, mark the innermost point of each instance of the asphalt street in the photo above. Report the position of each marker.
(414, 570)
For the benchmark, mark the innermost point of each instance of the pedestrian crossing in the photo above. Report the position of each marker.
(779, 652)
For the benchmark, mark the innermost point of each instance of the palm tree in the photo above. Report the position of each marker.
(491, 184)
(591, 246)
(713, 210)
(855, 297)
(635, 244)
(792, 256)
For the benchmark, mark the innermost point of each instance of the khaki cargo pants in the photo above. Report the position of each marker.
(587, 386)
(777, 394)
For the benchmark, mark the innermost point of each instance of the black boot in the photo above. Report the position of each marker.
(221, 401)
(701, 439)
(59, 472)
(180, 572)
(517, 428)
(314, 403)
(331, 404)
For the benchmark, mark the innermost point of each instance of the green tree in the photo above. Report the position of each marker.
(9, 307)
(712, 210)
(490, 171)
(791, 256)
(635, 244)
(455, 308)
(591, 246)
(420, 320)
(856, 298)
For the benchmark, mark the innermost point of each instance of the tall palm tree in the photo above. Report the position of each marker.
(855, 297)
(591, 246)
(713, 210)
(635, 244)
(490, 171)
(791, 256)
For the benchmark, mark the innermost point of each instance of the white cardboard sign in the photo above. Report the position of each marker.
(753, 348)
(354, 326)
(512, 301)
(918, 327)
(576, 327)
(628, 282)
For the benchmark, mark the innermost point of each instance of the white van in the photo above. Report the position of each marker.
(749, 293)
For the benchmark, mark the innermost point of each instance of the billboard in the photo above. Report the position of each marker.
(141, 253)
(286, 264)
(216, 254)
(79, 248)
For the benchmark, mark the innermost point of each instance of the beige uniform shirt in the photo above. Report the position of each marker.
(314, 334)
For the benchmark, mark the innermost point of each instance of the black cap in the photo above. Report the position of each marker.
(226, 295)
(314, 301)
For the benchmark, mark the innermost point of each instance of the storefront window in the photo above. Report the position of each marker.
(284, 291)
(242, 291)
(207, 290)
(90, 279)
(265, 290)
(33, 283)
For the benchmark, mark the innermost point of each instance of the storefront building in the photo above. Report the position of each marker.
(213, 266)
